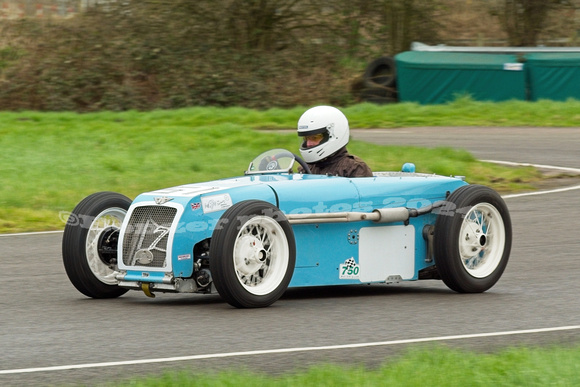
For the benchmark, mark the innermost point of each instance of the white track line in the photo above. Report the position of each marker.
(566, 169)
(32, 233)
(575, 170)
(541, 192)
(285, 350)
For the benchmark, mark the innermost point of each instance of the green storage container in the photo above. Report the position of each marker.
(553, 76)
(437, 77)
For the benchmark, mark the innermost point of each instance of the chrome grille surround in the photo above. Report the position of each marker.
(146, 236)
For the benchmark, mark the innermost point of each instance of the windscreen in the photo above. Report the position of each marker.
(272, 161)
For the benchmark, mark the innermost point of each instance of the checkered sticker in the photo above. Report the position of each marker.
(349, 269)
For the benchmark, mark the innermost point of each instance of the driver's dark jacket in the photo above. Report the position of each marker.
(343, 164)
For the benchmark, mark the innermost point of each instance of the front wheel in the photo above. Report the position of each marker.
(472, 240)
(89, 244)
(252, 254)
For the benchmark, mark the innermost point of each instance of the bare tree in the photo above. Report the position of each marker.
(265, 24)
(524, 20)
(408, 20)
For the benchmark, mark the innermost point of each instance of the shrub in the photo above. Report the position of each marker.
(169, 54)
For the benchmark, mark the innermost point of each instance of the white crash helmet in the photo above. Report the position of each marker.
(326, 120)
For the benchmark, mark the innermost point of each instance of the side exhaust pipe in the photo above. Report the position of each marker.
(380, 215)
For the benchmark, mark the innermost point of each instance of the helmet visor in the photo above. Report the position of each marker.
(313, 138)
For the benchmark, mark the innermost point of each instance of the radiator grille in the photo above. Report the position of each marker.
(146, 236)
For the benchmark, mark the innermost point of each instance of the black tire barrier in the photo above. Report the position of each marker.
(379, 95)
(381, 72)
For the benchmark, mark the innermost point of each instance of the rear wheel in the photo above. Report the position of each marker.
(252, 254)
(89, 244)
(472, 240)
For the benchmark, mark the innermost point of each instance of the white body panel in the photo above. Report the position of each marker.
(386, 252)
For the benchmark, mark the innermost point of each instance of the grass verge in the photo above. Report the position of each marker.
(437, 366)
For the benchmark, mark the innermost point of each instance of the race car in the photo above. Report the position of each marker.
(249, 238)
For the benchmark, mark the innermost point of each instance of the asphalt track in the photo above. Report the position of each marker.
(52, 335)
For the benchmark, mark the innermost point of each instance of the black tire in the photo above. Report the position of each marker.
(473, 238)
(96, 221)
(380, 72)
(252, 254)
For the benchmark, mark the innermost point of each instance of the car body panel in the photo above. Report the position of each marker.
(326, 253)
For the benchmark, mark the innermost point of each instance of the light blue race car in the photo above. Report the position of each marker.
(251, 237)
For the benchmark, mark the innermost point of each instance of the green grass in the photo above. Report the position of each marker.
(465, 112)
(50, 161)
(436, 366)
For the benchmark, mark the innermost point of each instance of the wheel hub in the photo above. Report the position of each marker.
(482, 240)
(250, 255)
(107, 245)
(474, 243)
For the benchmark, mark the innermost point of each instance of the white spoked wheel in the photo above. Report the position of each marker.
(482, 240)
(261, 255)
(89, 244)
(252, 254)
(472, 240)
(102, 239)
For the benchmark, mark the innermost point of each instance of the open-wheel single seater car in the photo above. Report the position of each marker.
(251, 237)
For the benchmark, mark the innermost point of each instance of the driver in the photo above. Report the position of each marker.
(325, 133)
